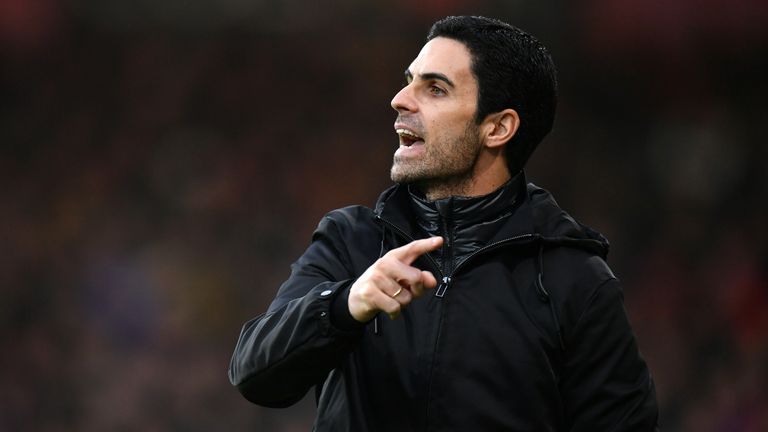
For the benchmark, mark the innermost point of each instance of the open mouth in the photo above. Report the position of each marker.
(408, 137)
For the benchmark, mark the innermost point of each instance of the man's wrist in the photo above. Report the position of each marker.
(341, 317)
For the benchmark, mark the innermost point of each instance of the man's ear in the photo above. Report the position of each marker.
(498, 128)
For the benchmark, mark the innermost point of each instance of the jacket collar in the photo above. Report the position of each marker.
(464, 212)
(533, 212)
(507, 209)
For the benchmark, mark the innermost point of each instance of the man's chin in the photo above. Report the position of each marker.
(399, 175)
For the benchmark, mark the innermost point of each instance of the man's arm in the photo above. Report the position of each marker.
(282, 353)
(318, 314)
(606, 384)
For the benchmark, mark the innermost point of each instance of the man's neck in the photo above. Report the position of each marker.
(466, 186)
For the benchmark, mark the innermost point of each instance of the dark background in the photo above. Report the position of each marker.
(163, 162)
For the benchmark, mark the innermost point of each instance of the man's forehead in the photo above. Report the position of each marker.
(445, 56)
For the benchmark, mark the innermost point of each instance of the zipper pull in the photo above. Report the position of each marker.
(443, 287)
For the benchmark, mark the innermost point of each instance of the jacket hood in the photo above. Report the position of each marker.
(556, 226)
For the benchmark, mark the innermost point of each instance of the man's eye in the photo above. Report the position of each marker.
(437, 91)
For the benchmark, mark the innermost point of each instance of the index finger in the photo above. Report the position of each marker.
(408, 253)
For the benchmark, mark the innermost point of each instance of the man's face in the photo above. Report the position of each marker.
(439, 140)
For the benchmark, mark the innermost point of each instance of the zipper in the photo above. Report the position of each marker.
(495, 245)
(443, 287)
(445, 216)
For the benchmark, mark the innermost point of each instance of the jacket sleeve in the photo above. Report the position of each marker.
(606, 384)
(282, 353)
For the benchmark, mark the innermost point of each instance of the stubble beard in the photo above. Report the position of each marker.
(446, 168)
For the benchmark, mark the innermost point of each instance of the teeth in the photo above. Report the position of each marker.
(406, 132)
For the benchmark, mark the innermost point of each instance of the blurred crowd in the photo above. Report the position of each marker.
(161, 167)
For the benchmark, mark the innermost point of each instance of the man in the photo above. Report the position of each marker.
(467, 300)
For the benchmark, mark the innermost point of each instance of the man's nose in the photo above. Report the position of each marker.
(404, 101)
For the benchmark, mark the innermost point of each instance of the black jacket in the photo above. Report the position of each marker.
(526, 331)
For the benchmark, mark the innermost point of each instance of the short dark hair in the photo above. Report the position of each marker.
(513, 70)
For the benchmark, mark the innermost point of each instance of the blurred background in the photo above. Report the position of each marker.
(163, 162)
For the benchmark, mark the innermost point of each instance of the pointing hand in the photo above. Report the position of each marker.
(391, 282)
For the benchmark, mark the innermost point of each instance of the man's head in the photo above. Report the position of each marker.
(478, 84)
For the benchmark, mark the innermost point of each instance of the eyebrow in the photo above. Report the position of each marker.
(431, 76)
